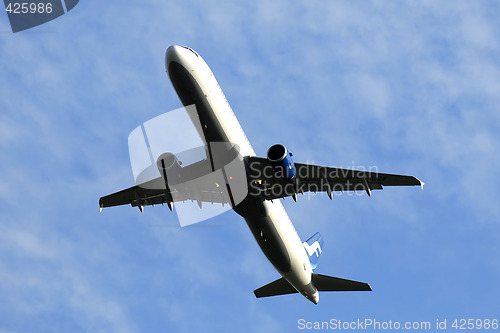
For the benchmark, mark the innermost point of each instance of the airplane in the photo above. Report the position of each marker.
(261, 208)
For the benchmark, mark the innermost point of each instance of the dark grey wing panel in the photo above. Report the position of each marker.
(154, 192)
(130, 196)
(315, 178)
(350, 179)
(150, 193)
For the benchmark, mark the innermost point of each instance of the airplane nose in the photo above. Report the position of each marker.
(173, 49)
(181, 54)
(172, 54)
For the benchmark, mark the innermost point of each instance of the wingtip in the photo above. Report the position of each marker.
(421, 183)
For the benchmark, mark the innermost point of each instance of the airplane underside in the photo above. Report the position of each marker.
(260, 204)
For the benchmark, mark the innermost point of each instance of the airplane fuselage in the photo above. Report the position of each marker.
(195, 84)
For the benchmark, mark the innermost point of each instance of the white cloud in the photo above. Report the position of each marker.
(408, 87)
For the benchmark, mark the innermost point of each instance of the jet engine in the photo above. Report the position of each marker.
(281, 160)
(169, 167)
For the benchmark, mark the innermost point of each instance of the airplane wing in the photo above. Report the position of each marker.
(155, 192)
(213, 188)
(314, 178)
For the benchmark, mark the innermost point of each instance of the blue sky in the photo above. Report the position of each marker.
(410, 87)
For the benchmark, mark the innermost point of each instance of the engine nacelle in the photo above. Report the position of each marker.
(281, 160)
(169, 166)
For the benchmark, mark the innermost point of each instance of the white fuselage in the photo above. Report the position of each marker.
(268, 221)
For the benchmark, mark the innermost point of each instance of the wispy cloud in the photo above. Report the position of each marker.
(409, 87)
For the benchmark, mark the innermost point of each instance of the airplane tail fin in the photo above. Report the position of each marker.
(321, 282)
(313, 247)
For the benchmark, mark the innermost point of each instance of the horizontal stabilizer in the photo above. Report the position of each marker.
(330, 283)
(275, 288)
(321, 282)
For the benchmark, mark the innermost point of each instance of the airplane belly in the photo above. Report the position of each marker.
(278, 240)
(218, 122)
(189, 93)
(300, 268)
(270, 242)
(268, 221)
